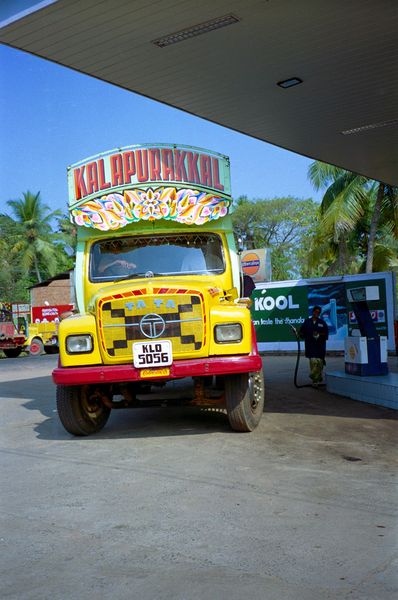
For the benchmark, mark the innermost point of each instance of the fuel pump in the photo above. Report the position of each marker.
(366, 352)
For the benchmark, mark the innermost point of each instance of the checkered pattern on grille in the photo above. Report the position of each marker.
(182, 321)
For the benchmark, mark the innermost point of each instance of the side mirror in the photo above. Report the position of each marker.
(231, 294)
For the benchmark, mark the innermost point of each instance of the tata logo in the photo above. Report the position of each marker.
(269, 303)
(156, 303)
(152, 325)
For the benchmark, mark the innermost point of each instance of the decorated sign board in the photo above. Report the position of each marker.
(149, 182)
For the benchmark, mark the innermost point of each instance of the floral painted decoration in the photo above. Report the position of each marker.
(114, 211)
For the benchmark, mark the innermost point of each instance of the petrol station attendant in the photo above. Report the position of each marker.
(315, 332)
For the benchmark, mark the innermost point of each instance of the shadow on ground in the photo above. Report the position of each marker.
(309, 401)
(281, 397)
(39, 395)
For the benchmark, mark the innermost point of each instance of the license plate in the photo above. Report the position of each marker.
(152, 354)
(154, 373)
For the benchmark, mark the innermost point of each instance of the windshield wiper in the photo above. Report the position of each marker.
(136, 275)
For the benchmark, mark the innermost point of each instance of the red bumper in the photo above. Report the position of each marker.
(221, 365)
(11, 343)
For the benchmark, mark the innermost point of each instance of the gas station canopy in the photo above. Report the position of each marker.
(316, 77)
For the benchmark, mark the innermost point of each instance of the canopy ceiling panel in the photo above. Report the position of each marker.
(344, 111)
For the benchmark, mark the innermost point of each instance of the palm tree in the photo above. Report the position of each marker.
(354, 208)
(385, 213)
(33, 240)
(342, 207)
(67, 232)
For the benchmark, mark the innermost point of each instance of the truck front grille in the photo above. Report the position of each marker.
(161, 313)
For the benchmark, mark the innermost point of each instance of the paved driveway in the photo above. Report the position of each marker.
(170, 504)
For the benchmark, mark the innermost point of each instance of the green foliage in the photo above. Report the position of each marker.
(32, 242)
(282, 224)
(354, 229)
(66, 237)
(13, 283)
(357, 228)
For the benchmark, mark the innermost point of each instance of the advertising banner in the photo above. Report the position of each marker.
(275, 309)
(279, 305)
(49, 314)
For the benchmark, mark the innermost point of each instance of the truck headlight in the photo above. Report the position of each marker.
(229, 332)
(79, 344)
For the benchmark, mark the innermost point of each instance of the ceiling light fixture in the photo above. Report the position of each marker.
(370, 126)
(288, 83)
(185, 34)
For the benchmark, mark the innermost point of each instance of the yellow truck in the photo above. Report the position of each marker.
(158, 287)
(42, 337)
(42, 332)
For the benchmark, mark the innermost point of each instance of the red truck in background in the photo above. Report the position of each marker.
(11, 341)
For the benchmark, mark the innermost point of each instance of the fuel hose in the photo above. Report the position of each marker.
(296, 333)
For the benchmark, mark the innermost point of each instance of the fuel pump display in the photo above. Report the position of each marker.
(366, 352)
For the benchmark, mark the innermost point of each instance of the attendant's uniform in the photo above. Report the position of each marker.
(315, 332)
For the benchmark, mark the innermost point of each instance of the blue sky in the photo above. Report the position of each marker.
(52, 117)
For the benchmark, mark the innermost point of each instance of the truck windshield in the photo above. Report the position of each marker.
(147, 256)
(5, 316)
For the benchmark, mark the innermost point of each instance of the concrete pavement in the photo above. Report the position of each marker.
(169, 503)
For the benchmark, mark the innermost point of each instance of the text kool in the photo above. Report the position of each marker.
(269, 303)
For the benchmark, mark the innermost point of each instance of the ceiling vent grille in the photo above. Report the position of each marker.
(195, 30)
(370, 126)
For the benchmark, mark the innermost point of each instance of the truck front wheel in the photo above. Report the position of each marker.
(244, 396)
(12, 352)
(36, 347)
(81, 409)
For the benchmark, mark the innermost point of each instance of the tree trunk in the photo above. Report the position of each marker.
(342, 256)
(373, 228)
(37, 270)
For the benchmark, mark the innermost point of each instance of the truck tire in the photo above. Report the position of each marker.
(36, 347)
(244, 397)
(80, 410)
(12, 352)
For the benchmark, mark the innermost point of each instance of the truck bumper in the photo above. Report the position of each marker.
(204, 367)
